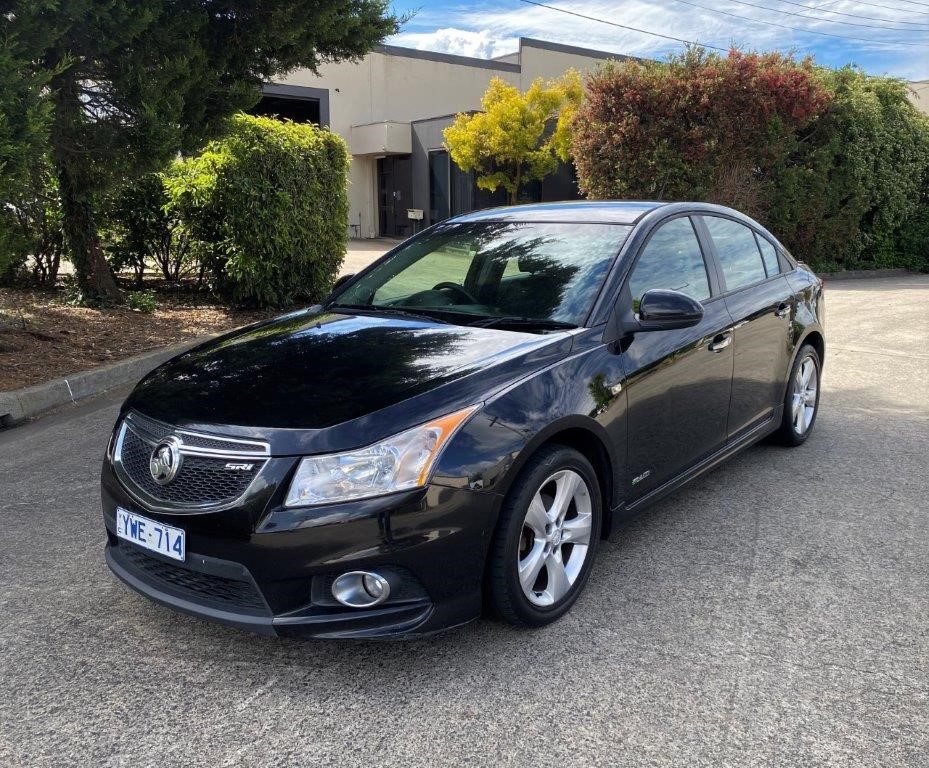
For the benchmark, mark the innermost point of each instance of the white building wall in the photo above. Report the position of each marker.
(411, 89)
(550, 64)
(919, 95)
(399, 85)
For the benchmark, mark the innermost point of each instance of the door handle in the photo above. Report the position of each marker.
(720, 342)
(783, 309)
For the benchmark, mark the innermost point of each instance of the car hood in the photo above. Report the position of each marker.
(313, 371)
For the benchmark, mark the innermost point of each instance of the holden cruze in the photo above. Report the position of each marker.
(458, 425)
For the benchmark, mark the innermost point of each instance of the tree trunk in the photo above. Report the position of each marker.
(93, 273)
(53, 266)
(517, 182)
(46, 260)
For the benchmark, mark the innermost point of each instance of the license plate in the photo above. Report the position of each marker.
(150, 534)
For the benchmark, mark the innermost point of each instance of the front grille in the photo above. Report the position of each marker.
(214, 472)
(224, 593)
(156, 430)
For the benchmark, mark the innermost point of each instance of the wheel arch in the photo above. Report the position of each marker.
(583, 435)
(815, 338)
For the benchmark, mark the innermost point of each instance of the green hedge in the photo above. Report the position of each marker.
(835, 162)
(31, 238)
(267, 209)
(141, 231)
(853, 192)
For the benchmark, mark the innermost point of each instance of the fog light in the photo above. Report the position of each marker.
(374, 585)
(360, 589)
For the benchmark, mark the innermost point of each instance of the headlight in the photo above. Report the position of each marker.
(398, 463)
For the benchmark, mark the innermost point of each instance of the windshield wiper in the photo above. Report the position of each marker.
(382, 310)
(523, 322)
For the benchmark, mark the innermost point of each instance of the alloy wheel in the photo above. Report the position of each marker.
(555, 538)
(803, 401)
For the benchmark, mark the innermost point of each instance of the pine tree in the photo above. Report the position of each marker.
(130, 83)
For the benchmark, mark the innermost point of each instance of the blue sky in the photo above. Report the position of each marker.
(882, 36)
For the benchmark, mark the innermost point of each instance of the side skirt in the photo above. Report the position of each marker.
(751, 437)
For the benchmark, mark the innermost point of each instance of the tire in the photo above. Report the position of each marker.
(788, 433)
(521, 539)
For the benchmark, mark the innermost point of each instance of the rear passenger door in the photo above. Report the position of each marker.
(761, 304)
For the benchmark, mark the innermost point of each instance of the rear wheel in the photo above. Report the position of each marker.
(801, 403)
(547, 538)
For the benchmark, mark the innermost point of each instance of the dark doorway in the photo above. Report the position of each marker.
(394, 195)
(298, 110)
(453, 191)
(439, 186)
(560, 185)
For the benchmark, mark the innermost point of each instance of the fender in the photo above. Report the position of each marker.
(809, 317)
(488, 452)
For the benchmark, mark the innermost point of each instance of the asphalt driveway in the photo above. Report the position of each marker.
(775, 612)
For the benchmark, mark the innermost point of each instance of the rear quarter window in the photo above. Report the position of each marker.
(738, 252)
(768, 255)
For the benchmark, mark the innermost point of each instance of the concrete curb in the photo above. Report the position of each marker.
(863, 274)
(21, 404)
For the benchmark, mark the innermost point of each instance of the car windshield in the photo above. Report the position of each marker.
(494, 272)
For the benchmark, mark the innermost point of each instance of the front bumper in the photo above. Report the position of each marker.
(268, 570)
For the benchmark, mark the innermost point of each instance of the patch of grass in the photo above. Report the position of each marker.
(142, 301)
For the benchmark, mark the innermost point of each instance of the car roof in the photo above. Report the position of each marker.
(589, 211)
(627, 212)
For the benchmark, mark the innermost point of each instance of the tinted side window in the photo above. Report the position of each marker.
(672, 260)
(769, 254)
(738, 252)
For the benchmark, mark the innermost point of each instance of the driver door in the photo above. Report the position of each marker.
(678, 381)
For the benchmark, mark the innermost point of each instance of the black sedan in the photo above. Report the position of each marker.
(458, 425)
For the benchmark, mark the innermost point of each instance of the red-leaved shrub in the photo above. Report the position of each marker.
(699, 126)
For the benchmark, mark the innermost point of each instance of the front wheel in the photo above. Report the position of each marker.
(801, 403)
(547, 537)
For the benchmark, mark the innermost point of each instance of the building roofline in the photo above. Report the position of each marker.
(497, 64)
(447, 58)
(591, 53)
(448, 116)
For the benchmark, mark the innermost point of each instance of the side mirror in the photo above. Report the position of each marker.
(661, 310)
(342, 280)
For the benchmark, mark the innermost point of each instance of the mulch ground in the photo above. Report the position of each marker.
(42, 337)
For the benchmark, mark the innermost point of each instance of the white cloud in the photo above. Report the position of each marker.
(488, 29)
(482, 44)
(546, 24)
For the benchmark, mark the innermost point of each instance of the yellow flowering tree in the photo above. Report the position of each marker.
(516, 137)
